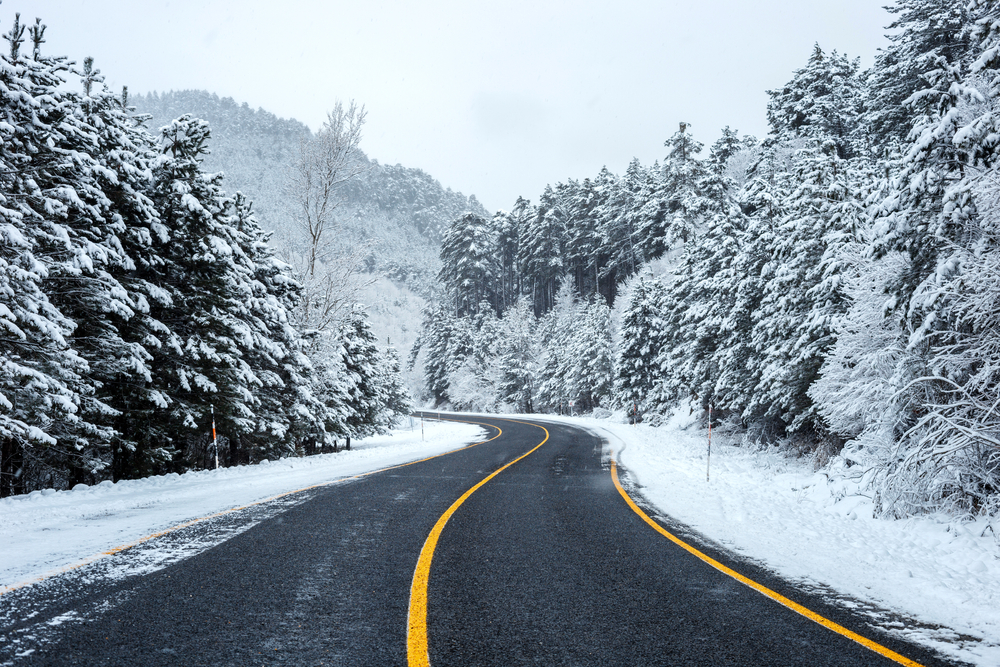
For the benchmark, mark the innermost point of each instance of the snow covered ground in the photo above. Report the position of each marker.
(819, 530)
(46, 532)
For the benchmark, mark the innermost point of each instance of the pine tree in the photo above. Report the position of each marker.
(591, 357)
(395, 397)
(556, 332)
(822, 101)
(761, 200)
(636, 367)
(200, 364)
(126, 152)
(367, 393)
(585, 255)
(329, 388)
(518, 362)
(694, 311)
(43, 427)
(542, 251)
(802, 296)
(924, 33)
(473, 372)
(619, 219)
(925, 211)
(285, 409)
(723, 151)
(683, 174)
(507, 227)
(703, 291)
(111, 222)
(469, 264)
(435, 338)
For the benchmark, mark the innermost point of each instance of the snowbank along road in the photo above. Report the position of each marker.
(528, 548)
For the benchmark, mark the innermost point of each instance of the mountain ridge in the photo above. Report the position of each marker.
(401, 212)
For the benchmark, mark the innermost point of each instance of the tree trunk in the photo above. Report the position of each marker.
(11, 468)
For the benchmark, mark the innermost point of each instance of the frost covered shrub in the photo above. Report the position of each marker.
(950, 457)
(858, 382)
(601, 413)
(472, 386)
(797, 444)
(916, 431)
(825, 450)
(728, 424)
(654, 419)
(928, 472)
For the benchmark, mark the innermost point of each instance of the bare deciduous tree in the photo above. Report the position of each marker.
(329, 272)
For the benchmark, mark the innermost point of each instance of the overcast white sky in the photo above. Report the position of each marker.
(493, 99)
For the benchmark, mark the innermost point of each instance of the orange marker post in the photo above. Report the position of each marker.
(215, 440)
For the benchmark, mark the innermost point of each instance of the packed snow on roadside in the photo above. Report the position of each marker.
(46, 531)
(817, 528)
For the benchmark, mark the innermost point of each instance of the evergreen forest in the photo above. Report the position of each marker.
(148, 325)
(832, 288)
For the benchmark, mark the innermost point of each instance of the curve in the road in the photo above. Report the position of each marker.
(760, 588)
(416, 633)
(544, 564)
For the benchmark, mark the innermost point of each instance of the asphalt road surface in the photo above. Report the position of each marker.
(544, 564)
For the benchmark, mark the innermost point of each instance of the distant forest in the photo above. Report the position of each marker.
(831, 288)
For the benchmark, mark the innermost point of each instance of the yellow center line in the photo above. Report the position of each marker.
(416, 628)
(167, 531)
(760, 588)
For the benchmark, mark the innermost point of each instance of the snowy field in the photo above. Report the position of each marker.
(46, 532)
(818, 530)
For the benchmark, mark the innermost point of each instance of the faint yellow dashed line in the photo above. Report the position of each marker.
(416, 628)
(760, 588)
(167, 531)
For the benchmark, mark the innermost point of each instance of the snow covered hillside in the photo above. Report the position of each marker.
(399, 212)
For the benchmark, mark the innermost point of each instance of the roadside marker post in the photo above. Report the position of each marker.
(708, 464)
(215, 441)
